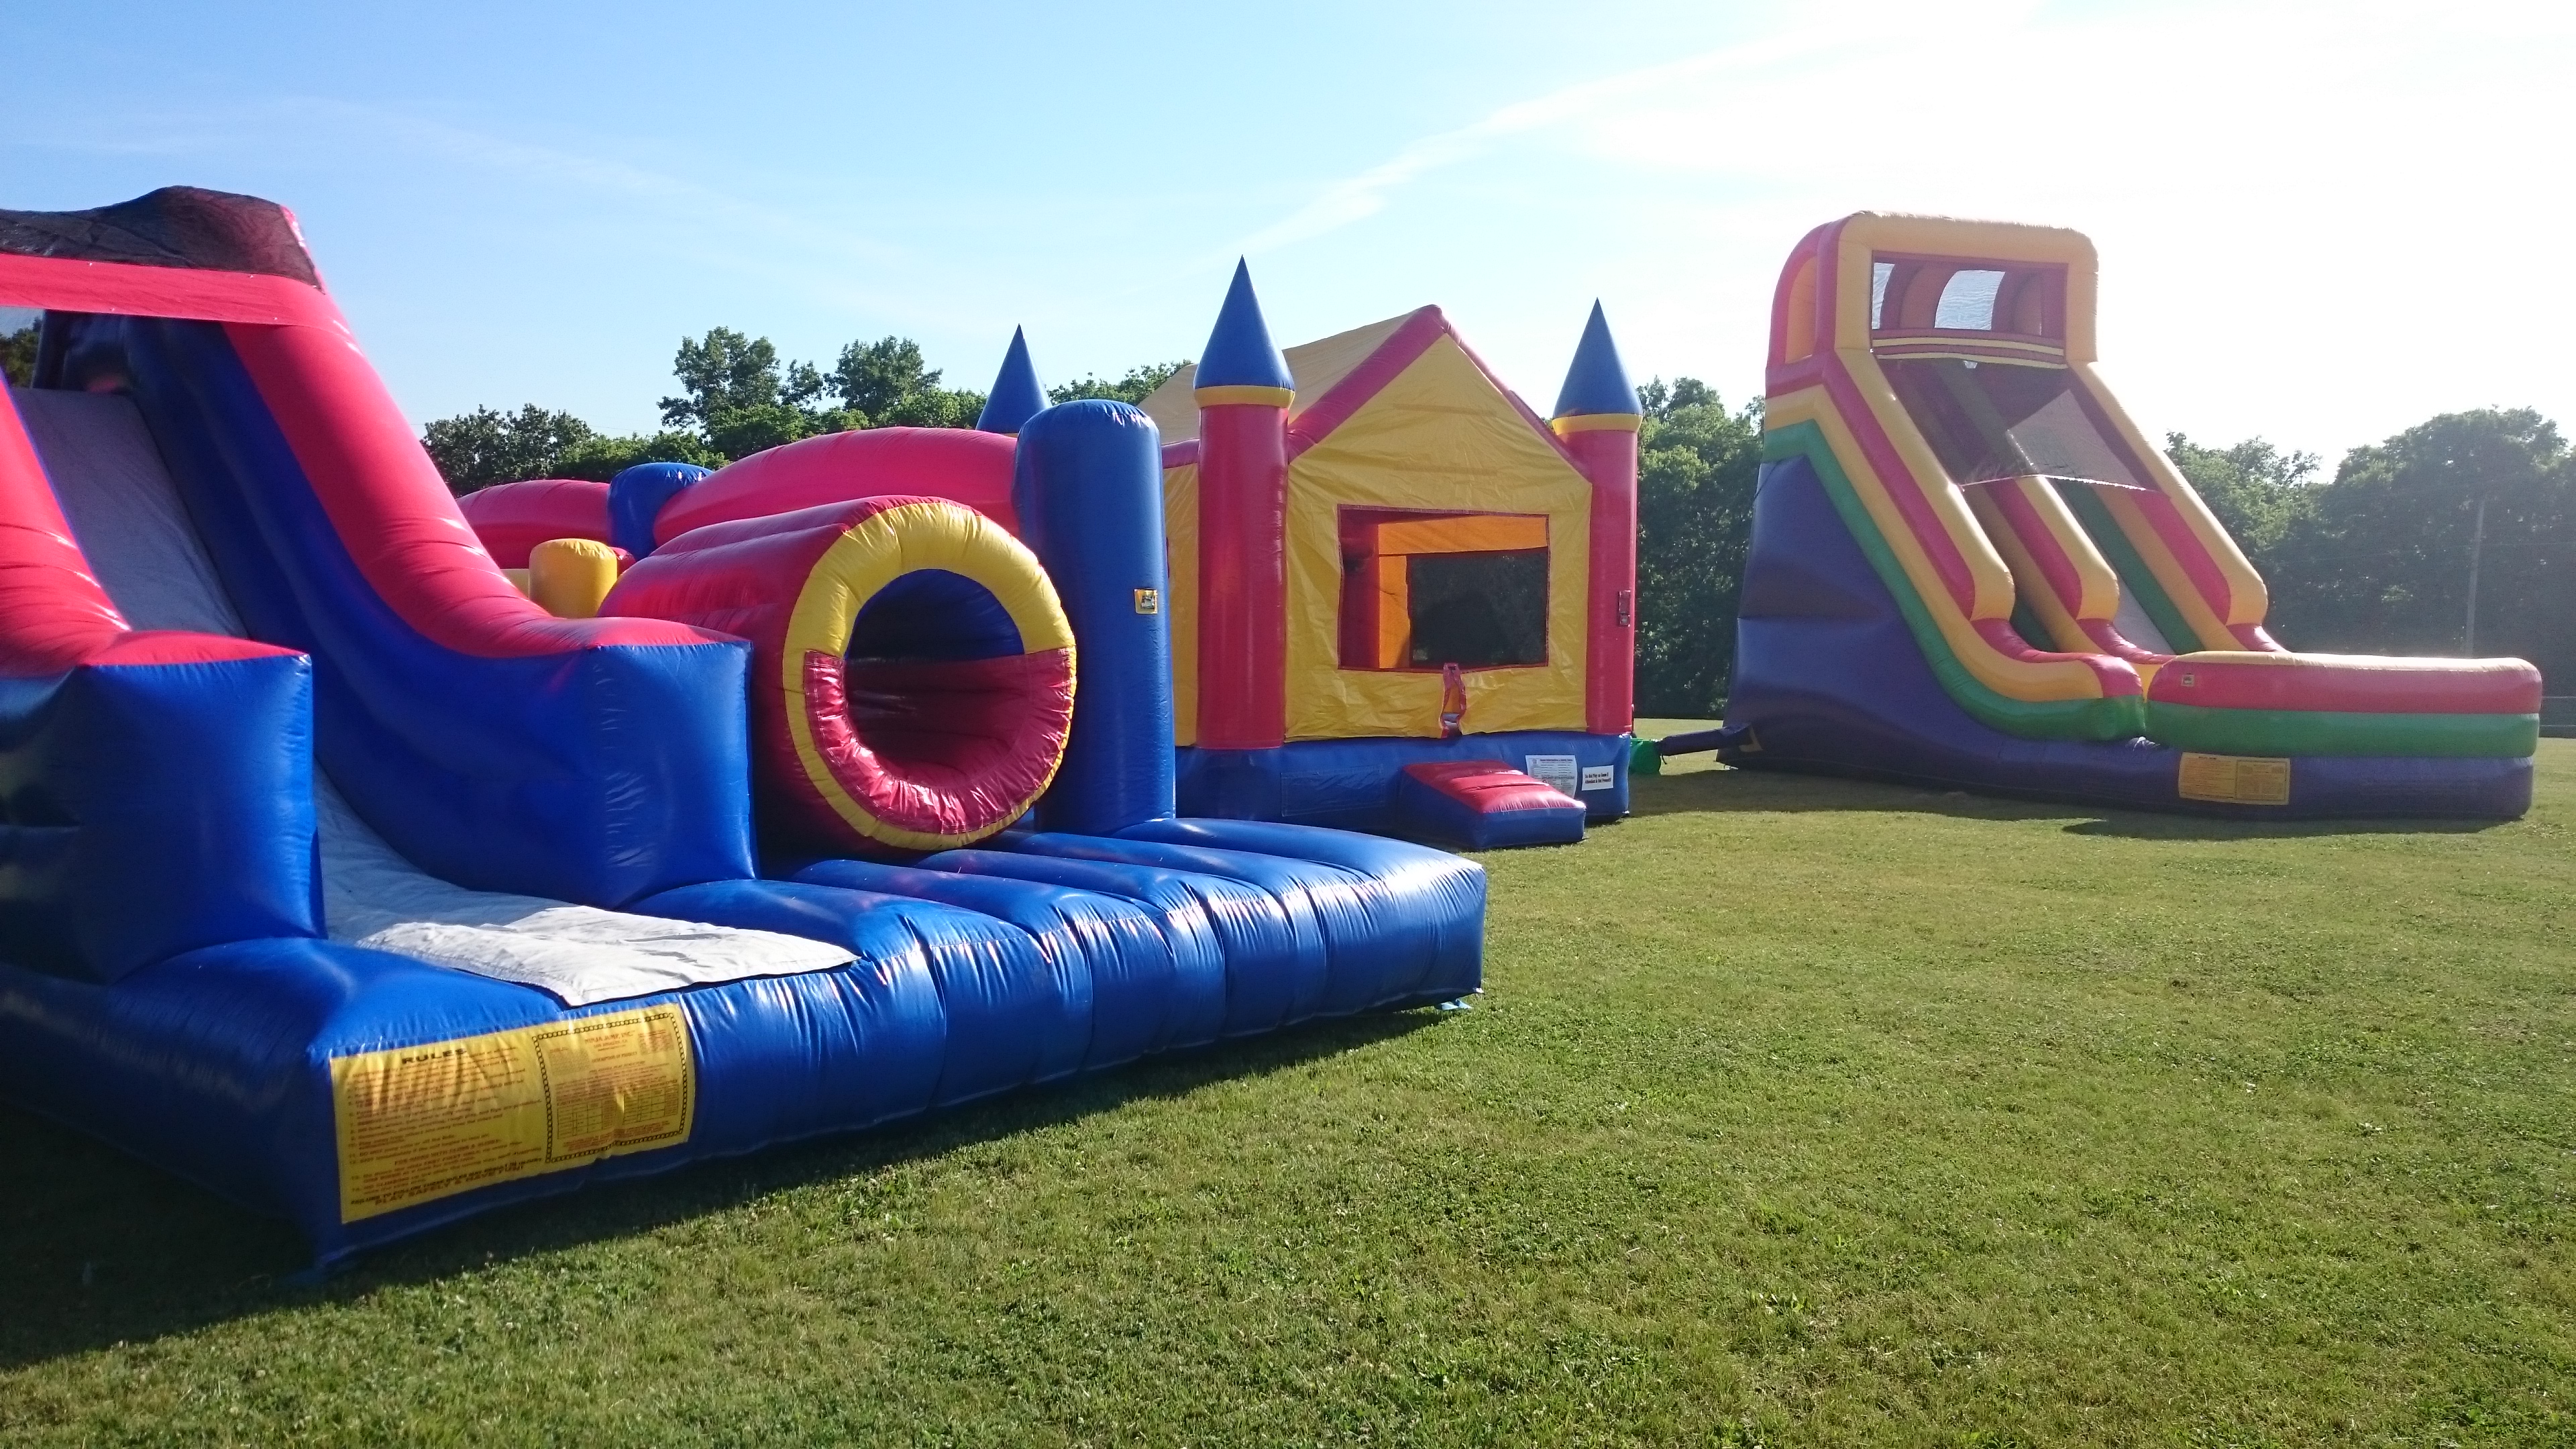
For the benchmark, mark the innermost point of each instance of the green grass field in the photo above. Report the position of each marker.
(1795, 1112)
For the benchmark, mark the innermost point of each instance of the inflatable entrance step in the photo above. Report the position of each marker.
(1484, 805)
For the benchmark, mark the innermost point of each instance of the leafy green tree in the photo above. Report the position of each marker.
(933, 408)
(2256, 490)
(18, 356)
(1696, 469)
(738, 395)
(872, 377)
(2380, 562)
(726, 371)
(477, 449)
(1130, 388)
(888, 384)
(603, 458)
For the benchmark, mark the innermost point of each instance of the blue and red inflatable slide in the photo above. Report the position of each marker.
(338, 876)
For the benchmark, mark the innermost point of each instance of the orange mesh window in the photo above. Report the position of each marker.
(1421, 591)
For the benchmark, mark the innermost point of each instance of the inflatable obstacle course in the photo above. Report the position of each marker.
(1970, 569)
(1381, 558)
(346, 880)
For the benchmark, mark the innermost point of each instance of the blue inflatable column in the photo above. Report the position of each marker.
(1089, 492)
(636, 497)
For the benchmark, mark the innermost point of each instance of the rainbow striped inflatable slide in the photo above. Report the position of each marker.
(1970, 570)
(340, 876)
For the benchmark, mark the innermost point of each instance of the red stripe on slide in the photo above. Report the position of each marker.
(54, 615)
(1807, 371)
(2113, 643)
(2185, 545)
(393, 512)
(2354, 683)
(126, 290)
(2055, 568)
(2116, 677)
(1900, 484)
(1806, 248)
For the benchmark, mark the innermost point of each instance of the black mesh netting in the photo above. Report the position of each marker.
(2000, 421)
(176, 226)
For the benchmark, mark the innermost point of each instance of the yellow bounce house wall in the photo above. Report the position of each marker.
(1440, 436)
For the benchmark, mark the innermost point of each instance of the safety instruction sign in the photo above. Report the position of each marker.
(1556, 770)
(424, 1122)
(2235, 779)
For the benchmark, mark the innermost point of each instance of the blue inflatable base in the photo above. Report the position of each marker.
(1351, 784)
(1829, 680)
(977, 972)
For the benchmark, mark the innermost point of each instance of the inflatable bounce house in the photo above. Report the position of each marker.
(1970, 569)
(341, 877)
(1401, 600)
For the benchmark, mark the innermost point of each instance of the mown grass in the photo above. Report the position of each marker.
(1796, 1112)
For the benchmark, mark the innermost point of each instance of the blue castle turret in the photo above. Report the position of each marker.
(1597, 383)
(1239, 351)
(1016, 396)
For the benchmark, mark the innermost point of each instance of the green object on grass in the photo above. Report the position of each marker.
(1644, 758)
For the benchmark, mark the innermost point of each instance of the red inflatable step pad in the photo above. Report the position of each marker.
(1489, 787)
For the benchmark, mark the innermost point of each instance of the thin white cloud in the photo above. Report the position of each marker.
(1840, 28)
(2313, 218)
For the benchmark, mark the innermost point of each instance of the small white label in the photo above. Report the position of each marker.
(1557, 770)
(1596, 777)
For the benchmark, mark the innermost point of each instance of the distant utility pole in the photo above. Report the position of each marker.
(2477, 545)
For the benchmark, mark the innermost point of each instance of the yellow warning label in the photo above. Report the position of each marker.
(2235, 779)
(418, 1123)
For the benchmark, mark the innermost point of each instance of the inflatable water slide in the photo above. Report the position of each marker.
(338, 875)
(1969, 569)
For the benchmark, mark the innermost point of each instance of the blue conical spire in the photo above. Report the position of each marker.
(1597, 383)
(1016, 396)
(1239, 352)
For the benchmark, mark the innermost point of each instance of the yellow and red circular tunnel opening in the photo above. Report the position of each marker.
(912, 669)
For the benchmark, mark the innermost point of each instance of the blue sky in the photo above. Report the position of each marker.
(2313, 218)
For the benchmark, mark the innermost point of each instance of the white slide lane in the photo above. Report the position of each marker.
(109, 477)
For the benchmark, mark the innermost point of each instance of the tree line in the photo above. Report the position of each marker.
(737, 397)
(2379, 557)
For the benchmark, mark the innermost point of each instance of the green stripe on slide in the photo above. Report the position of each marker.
(2118, 718)
(2131, 566)
(2336, 732)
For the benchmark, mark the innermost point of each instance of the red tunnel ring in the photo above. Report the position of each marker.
(916, 753)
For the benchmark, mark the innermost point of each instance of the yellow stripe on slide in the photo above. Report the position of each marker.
(2012, 678)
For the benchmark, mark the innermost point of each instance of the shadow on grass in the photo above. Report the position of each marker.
(99, 1249)
(1792, 792)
